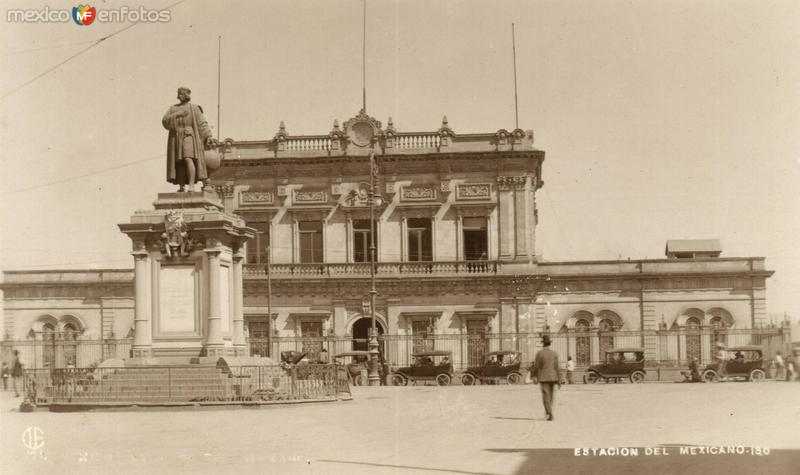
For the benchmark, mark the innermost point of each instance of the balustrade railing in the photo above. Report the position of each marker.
(358, 269)
(417, 140)
(308, 144)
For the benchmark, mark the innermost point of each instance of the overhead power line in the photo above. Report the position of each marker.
(70, 58)
(97, 172)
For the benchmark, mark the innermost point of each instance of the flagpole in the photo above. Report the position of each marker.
(219, 76)
(514, 52)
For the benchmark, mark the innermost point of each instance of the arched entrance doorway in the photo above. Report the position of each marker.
(361, 333)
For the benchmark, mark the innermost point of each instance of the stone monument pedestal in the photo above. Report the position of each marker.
(188, 257)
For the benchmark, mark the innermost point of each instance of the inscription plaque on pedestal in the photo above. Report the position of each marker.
(177, 299)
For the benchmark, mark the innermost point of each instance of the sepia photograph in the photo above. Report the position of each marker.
(400, 236)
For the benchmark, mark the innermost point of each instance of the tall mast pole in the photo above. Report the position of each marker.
(219, 77)
(514, 53)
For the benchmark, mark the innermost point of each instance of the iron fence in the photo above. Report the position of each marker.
(668, 348)
(185, 384)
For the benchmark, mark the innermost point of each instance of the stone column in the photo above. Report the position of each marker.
(239, 343)
(349, 237)
(460, 236)
(505, 217)
(403, 238)
(521, 221)
(142, 339)
(214, 345)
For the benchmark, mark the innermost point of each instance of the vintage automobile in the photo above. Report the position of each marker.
(747, 363)
(620, 363)
(428, 366)
(497, 365)
(353, 363)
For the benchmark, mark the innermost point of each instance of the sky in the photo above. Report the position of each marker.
(660, 119)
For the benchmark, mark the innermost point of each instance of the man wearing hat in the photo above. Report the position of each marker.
(545, 370)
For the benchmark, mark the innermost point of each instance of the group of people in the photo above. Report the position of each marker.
(786, 369)
(14, 373)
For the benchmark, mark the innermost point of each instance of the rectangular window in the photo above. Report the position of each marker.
(257, 247)
(421, 331)
(420, 242)
(311, 334)
(361, 240)
(476, 243)
(310, 241)
(259, 337)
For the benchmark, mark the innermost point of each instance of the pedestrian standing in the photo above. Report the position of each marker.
(546, 373)
(722, 358)
(6, 374)
(570, 369)
(16, 372)
(779, 366)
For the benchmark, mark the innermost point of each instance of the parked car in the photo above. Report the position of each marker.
(352, 363)
(428, 366)
(619, 363)
(497, 365)
(747, 363)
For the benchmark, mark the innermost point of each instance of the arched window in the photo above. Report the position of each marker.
(49, 345)
(70, 345)
(606, 336)
(583, 343)
(693, 338)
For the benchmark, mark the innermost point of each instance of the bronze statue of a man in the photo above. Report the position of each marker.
(189, 133)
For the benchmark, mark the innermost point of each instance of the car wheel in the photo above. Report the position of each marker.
(399, 380)
(710, 376)
(637, 377)
(592, 377)
(467, 379)
(443, 379)
(757, 375)
(357, 381)
(514, 378)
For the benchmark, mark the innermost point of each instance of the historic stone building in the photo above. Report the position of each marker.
(455, 233)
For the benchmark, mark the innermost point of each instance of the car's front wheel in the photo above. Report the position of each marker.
(357, 380)
(468, 379)
(514, 378)
(637, 377)
(757, 375)
(443, 379)
(710, 376)
(592, 377)
(399, 380)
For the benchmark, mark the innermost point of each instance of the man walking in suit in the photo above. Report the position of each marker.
(545, 370)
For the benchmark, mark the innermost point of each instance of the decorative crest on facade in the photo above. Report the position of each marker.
(362, 130)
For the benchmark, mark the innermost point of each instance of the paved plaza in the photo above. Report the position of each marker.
(424, 429)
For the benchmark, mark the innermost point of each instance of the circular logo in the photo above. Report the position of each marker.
(361, 134)
(33, 438)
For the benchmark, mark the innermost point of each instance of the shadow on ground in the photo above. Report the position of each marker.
(565, 461)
